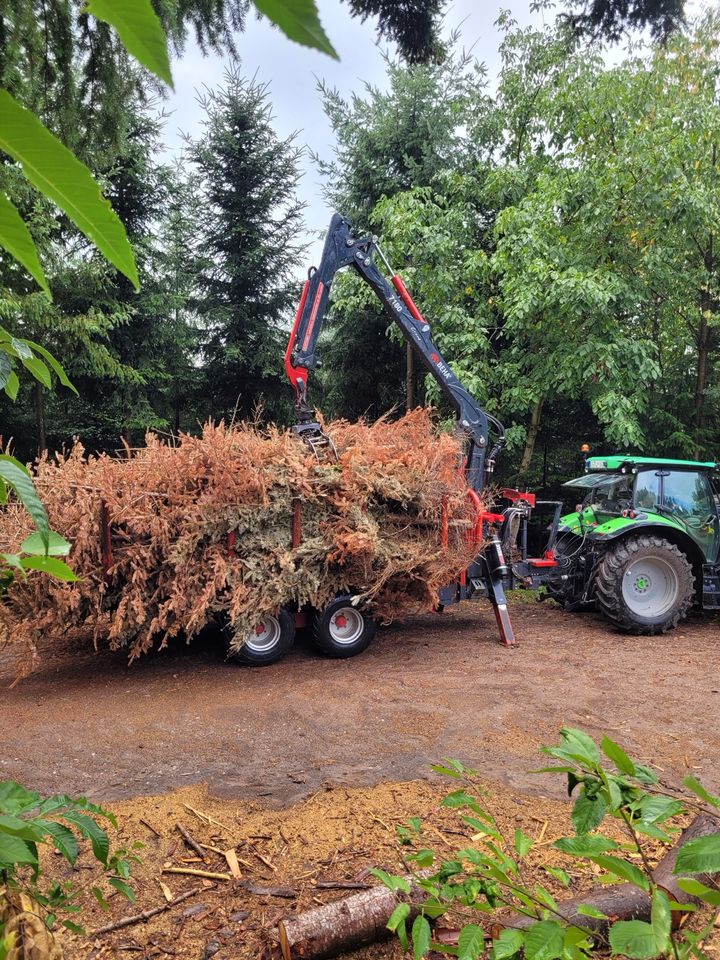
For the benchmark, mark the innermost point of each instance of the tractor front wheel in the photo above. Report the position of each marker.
(644, 585)
(341, 630)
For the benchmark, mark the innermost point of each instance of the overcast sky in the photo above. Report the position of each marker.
(292, 72)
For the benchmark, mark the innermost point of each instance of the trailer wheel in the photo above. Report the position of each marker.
(644, 585)
(342, 630)
(269, 640)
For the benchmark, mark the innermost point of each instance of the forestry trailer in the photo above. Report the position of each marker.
(344, 629)
(643, 545)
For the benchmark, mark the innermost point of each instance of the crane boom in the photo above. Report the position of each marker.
(342, 249)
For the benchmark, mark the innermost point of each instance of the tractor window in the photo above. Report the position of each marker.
(612, 495)
(689, 497)
(647, 489)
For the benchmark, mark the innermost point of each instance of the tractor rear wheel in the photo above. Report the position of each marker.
(269, 640)
(342, 630)
(644, 585)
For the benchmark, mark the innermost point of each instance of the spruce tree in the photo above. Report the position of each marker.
(247, 241)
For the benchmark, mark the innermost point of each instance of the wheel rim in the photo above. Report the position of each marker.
(264, 636)
(346, 625)
(650, 587)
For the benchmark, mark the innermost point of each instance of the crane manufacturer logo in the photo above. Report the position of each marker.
(442, 367)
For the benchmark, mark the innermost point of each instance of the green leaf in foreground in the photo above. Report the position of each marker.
(139, 28)
(544, 941)
(632, 938)
(56, 546)
(585, 846)
(396, 923)
(61, 177)
(50, 565)
(25, 491)
(623, 869)
(15, 238)
(508, 944)
(613, 751)
(471, 943)
(699, 790)
(299, 21)
(52, 362)
(701, 855)
(15, 850)
(420, 937)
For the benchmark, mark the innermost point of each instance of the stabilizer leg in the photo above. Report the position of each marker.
(496, 595)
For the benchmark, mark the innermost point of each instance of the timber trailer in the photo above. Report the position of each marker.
(344, 628)
(643, 544)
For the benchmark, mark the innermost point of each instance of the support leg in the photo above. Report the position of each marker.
(496, 595)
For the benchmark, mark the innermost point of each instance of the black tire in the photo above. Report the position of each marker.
(271, 639)
(644, 585)
(342, 630)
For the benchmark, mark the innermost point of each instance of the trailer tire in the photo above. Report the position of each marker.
(342, 630)
(268, 642)
(644, 585)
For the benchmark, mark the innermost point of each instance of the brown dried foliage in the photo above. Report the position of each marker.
(370, 524)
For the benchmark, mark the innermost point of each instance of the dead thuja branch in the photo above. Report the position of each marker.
(371, 525)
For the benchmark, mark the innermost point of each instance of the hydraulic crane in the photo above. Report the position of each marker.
(488, 573)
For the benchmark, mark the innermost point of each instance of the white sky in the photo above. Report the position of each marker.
(292, 72)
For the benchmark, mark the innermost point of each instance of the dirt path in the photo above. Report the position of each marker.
(435, 686)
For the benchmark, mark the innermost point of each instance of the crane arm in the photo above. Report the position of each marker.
(342, 249)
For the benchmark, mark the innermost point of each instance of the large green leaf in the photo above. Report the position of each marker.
(50, 565)
(299, 21)
(421, 937)
(15, 238)
(63, 839)
(15, 850)
(697, 788)
(39, 370)
(56, 546)
(52, 361)
(17, 827)
(633, 938)
(139, 28)
(701, 855)
(544, 941)
(588, 812)
(88, 828)
(27, 494)
(14, 797)
(471, 943)
(53, 169)
(623, 869)
(585, 846)
(613, 751)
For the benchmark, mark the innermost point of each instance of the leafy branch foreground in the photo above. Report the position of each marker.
(483, 891)
(31, 905)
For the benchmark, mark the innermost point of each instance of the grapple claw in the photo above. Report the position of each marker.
(315, 437)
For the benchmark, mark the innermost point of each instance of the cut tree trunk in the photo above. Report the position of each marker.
(343, 925)
(623, 901)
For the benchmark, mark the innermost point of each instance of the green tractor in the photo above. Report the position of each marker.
(643, 545)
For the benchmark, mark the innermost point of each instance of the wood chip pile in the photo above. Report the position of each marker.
(371, 524)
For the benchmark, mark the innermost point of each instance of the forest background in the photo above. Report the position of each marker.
(555, 221)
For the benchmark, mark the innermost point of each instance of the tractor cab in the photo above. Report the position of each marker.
(624, 490)
(643, 544)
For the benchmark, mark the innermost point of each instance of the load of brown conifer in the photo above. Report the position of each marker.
(175, 534)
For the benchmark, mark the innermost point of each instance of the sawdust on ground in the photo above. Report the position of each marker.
(336, 835)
